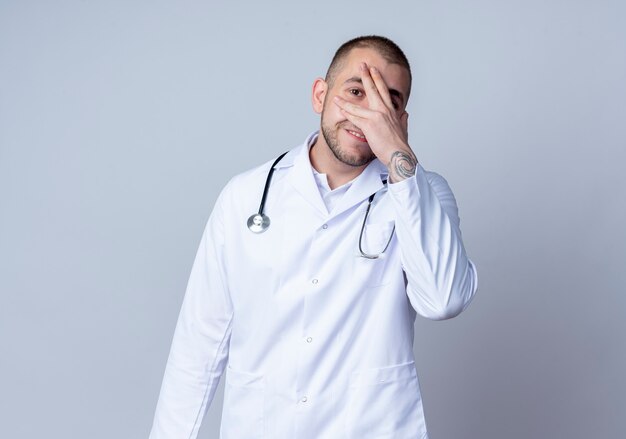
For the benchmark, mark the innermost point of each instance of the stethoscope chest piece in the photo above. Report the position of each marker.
(258, 223)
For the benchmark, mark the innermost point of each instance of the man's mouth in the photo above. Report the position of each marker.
(357, 135)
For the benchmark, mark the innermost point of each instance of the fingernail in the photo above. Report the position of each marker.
(374, 70)
(363, 66)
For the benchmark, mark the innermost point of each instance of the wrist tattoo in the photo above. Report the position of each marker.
(402, 165)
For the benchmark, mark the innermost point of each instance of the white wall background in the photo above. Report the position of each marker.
(121, 120)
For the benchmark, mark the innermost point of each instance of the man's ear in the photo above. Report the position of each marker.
(318, 95)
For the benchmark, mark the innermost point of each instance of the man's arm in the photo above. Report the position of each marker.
(441, 278)
(199, 350)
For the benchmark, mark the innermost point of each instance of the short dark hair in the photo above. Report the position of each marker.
(389, 50)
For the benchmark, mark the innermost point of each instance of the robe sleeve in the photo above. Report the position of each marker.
(199, 350)
(441, 279)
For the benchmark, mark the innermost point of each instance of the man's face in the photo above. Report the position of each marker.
(343, 138)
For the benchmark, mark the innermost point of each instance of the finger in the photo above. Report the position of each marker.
(353, 108)
(355, 120)
(404, 120)
(371, 90)
(382, 88)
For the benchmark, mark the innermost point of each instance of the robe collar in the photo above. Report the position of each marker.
(301, 178)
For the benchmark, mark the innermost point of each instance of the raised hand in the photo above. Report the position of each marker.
(384, 126)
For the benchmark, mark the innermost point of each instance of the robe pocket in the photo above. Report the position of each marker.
(373, 242)
(385, 403)
(244, 402)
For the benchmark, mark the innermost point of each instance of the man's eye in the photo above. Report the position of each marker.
(355, 92)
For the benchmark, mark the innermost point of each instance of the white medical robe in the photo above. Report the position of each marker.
(315, 341)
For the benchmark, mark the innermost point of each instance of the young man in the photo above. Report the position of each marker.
(311, 311)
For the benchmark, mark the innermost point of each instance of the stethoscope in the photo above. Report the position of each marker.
(259, 222)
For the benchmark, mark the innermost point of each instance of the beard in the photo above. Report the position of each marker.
(330, 136)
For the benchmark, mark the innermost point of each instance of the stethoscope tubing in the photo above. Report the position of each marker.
(259, 222)
(367, 212)
(268, 181)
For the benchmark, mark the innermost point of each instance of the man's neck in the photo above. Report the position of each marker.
(325, 162)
